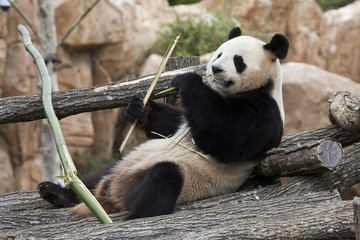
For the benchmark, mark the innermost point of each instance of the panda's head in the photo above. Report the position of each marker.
(245, 63)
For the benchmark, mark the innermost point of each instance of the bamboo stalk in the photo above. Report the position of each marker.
(66, 161)
(151, 88)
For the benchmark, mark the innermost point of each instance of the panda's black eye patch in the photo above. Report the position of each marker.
(239, 63)
(218, 57)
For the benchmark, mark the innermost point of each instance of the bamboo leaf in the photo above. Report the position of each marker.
(180, 144)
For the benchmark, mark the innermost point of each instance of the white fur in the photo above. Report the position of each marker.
(260, 68)
(203, 177)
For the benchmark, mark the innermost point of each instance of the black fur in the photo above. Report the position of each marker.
(154, 191)
(232, 129)
(278, 45)
(235, 32)
(65, 197)
(55, 194)
(155, 117)
(239, 63)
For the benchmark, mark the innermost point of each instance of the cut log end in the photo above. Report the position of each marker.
(330, 154)
(344, 111)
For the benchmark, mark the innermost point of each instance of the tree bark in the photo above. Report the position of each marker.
(345, 176)
(314, 216)
(304, 160)
(344, 111)
(75, 101)
(179, 62)
(332, 132)
(356, 204)
(48, 42)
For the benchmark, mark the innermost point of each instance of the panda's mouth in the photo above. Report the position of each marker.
(223, 82)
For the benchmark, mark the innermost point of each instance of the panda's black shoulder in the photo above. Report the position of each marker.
(237, 128)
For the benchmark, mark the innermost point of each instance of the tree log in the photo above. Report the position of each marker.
(344, 111)
(356, 204)
(75, 101)
(345, 176)
(180, 62)
(304, 160)
(316, 216)
(175, 63)
(332, 132)
(17, 209)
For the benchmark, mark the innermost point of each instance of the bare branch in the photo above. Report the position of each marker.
(67, 33)
(22, 14)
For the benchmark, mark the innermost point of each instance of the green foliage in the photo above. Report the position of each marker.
(89, 163)
(177, 2)
(332, 4)
(199, 34)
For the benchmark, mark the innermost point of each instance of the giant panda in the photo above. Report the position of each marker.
(234, 120)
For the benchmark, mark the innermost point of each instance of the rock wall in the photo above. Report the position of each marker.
(326, 39)
(115, 39)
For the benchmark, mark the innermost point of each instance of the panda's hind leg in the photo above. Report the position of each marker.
(154, 191)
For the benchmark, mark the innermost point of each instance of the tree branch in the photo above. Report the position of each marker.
(75, 101)
(22, 14)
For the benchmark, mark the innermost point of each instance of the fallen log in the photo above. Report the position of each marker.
(306, 159)
(345, 176)
(70, 102)
(332, 132)
(317, 216)
(23, 208)
(344, 111)
(356, 204)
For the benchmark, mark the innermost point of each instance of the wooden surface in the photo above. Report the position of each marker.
(235, 216)
(344, 111)
(75, 101)
(356, 204)
(303, 160)
(345, 176)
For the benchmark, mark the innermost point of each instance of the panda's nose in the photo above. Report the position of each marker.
(216, 70)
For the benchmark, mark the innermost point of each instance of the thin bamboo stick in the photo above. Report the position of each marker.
(151, 88)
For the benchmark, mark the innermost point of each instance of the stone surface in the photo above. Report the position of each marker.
(306, 91)
(325, 39)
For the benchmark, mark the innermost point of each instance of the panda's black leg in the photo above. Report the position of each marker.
(155, 191)
(57, 195)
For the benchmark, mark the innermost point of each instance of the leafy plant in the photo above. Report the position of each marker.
(332, 4)
(200, 34)
(177, 2)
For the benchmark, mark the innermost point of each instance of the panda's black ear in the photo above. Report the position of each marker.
(235, 32)
(279, 46)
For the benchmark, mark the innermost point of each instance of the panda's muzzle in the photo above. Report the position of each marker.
(223, 82)
(218, 71)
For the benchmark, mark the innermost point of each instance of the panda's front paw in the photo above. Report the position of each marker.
(135, 108)
(55, 194)
(184, 79)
